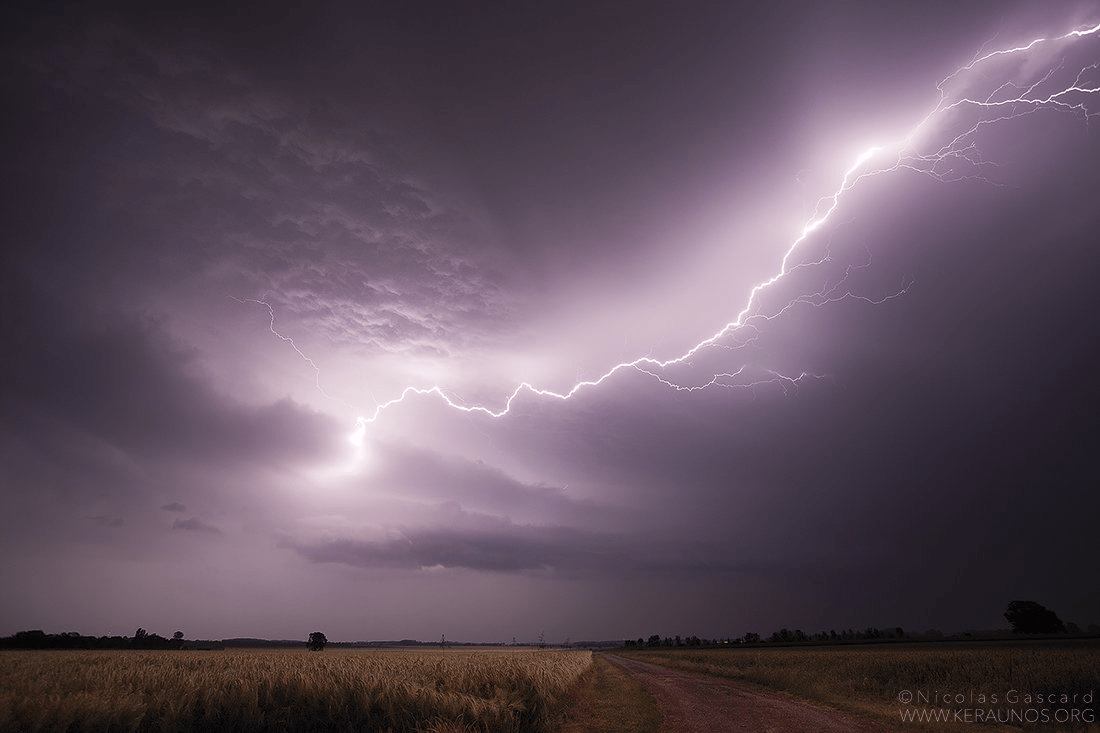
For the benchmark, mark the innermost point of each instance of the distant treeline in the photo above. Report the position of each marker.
(251, 642)
(1026, 617)
(141, 639)
(779, 637)
(848, 636)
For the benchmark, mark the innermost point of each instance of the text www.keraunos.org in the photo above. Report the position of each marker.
(1013, 706)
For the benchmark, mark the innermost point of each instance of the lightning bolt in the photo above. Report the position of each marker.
(358, 435)
(287, 339)
(956, 157)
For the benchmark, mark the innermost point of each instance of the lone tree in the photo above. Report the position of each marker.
(1028, 617)
(317, 642)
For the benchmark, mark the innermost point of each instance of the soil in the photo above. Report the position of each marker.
(697, 703)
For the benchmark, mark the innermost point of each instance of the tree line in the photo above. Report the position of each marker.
(783, 636)
(38, 639)
(1026, 617)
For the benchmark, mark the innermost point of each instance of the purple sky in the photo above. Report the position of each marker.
(901, 431)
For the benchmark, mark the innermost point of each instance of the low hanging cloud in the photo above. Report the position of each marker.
(481, 543)
(426, 474)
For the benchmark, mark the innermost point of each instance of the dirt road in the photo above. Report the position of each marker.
(697, 703)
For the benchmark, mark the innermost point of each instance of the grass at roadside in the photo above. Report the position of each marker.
(870, 680)
(608, 700)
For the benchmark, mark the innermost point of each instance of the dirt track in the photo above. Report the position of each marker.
(696, 703)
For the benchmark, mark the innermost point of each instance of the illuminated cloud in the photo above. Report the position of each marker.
(230, 239)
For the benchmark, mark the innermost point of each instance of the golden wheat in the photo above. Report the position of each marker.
(421, 691)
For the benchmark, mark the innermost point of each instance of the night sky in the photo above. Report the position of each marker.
(233, 237)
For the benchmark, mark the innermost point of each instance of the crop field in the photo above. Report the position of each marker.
(403, 691)
(882, 682)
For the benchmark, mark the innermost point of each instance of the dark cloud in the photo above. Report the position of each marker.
(491, 545)
(422, 474)
(194, 524)
(129, 385)
(226, 239)
(425, 548)
(202, 169)
(108, 521)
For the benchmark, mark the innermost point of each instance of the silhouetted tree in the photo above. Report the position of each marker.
(144, 640)
(1028, 617)
(34, 639)
(317, 642)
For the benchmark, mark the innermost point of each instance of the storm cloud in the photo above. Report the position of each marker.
(514, 254)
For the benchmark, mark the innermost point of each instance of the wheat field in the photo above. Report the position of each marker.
(873, 681)
(403, 691)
